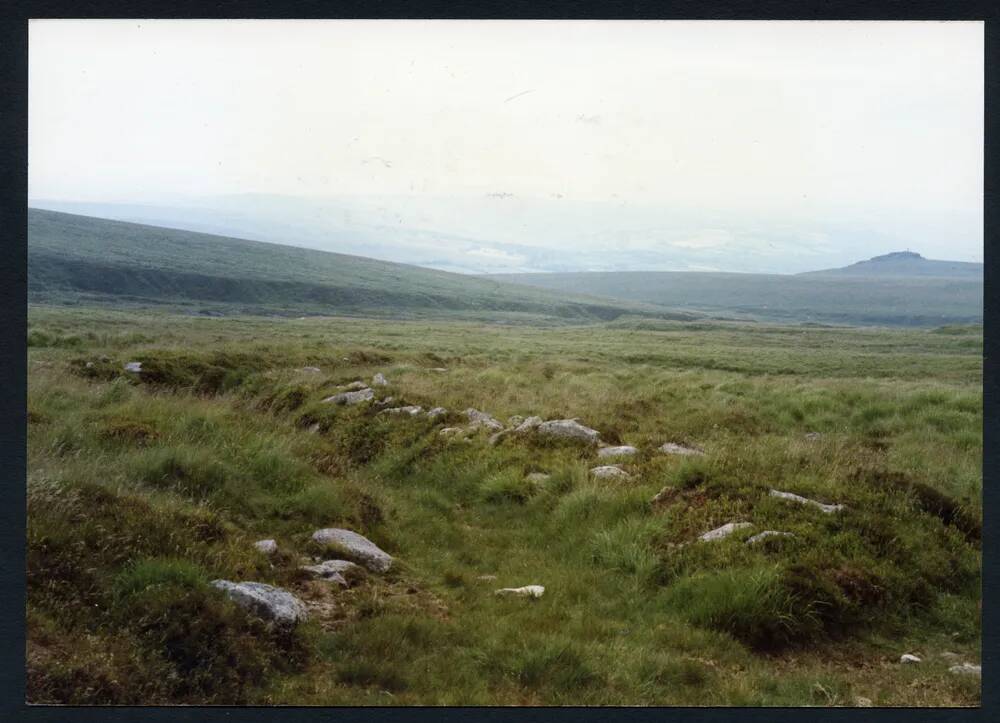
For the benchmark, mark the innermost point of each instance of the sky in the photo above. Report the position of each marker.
(811, 135)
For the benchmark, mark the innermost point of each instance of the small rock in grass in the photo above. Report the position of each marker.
(451, 432)
(482, 420)
(863, 702)
(354, 386)
(311, 370)
(528, 424)
(768, 533)
(662, 495)
(828, 509)
(438, 369)
(362, 395)
(314, 428)
(950, 656)
(680, 449)
(436, 412)
(966, 669)
(536, 477)
(609, 471)
(526, 591)
(514, 421)
(267, 601)
(813, 436)
(624, 450)
(356, 546)
(411, 410)
(332, 570)
(568, 429)
(134, 367)
(487, 578)
(909, 658)
(379, 380)
(268, 547)
(725, 531)
(89, 365)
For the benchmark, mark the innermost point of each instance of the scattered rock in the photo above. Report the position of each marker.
(354, 386)
(537, 477)
(356, 546)
(267, 601)
(310, 370)
(725, 531)
(528, 424)
(436, 412)
(482, 420)
(966, 669)
(498, 437)
(828, 509)
(863, 702)
(813, 436)
(411, 410)
(680, 449)
(134, 367)
(620, 451)
(379, 380)
(526, 591)
(514, 421)
(332, 570)
(568, 429)
(363, 395)
(268, 547)
(908, 658)
(768, 533)
(609, 471)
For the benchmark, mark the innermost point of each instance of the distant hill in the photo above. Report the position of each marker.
(83, 260)
(906, 263)
(827, 298)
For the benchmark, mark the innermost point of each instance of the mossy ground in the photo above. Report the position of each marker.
(143, 489)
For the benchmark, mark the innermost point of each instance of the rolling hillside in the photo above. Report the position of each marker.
(833, 297)
(83, 260)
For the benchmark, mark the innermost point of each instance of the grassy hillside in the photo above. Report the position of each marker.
(143, 488)
(831, 299)
(907, 264)
(81, 260)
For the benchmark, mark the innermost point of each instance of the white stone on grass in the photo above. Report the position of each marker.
(828, 509)
(537, 477)
(311, 370)
(134, 367)
(268, 547)
(680, 449)
(568, 429)
(966, 669)
(332, 570)
(411, 410)
(767, 533)
(534, 591)
(528, 424)
(436, 412)
(609, 471)
(909, 658)
(266, 601)
(725, 531)
(379, 380)
(362, 395)
(357, 546)
(624, 450)
(354, 386)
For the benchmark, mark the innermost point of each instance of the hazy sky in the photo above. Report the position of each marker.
(792, 120)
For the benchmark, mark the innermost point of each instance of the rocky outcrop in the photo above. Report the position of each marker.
(481, 420)
(725, 531)
(828, 509)
(568, 429)
(265, 601)
(355, 546)
(362, 395)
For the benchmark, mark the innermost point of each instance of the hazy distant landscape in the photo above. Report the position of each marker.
(475, 363)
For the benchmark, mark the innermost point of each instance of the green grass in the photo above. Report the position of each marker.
(77, 260)
(143, 489)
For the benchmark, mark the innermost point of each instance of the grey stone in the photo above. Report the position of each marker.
(514, 420)
(725, 531)
(268, 547)
(134, 367)
(534, 591)
(451, 432)
(411, 410)
(436, 412)
(680, 449)
(609, 471)
(362, 395)
(354, 386)
(357, 546)
(311, 370)
(379, 380)
(528, 424)
(266, 601)
(482, 420)
(768, 533)
(908, 658)
(624, 450)
(813, 436)
(828, 509)
(568, 429)
(967, 669)
(332, 570)
(536, 477)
